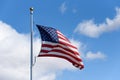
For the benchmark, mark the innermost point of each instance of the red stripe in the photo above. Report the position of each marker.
(63, 37)
(58, 32)
(67, 44)
(59, 56)
(53, 46)
(62, 52)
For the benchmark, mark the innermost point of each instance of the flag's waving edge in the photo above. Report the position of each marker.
(55, 44)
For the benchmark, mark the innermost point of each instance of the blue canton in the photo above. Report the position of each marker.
(48, 34)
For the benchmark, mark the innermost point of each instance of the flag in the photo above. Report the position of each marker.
(55, 44)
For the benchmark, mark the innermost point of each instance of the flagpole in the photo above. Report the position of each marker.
(31, 42)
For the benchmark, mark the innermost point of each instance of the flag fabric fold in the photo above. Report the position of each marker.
(55, 44)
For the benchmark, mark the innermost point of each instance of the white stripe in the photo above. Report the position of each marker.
(59, 54)
(58, 48)
(51, 43)
(46, 48)
(66, 42)
(64, 46)
(69, 44)
(59, 33)
(62, 37)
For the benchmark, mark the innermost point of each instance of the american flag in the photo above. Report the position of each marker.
(55, 44)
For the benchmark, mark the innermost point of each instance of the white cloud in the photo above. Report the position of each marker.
(79, 45)
(91, 56)
(92, 29)
(15, 52)
(63, 7)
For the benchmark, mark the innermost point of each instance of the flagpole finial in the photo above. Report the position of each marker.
(31, 10)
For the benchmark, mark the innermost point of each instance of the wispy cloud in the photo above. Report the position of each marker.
(91, 56)
(15, 52)
(63, 7)
(74, 10)
(94, 30)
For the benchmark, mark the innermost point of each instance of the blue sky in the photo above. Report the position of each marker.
(93, 26)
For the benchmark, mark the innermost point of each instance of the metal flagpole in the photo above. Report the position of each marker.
(31, 42)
